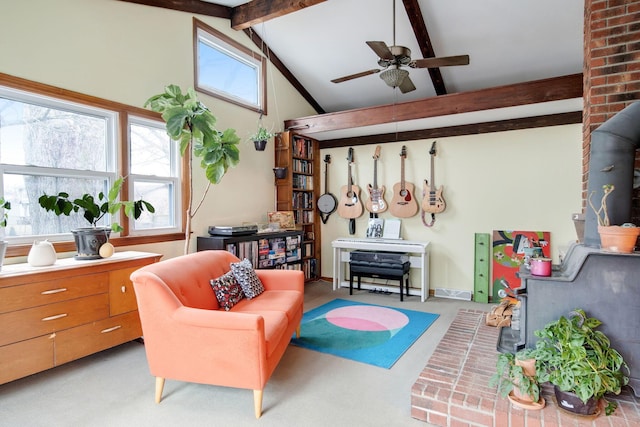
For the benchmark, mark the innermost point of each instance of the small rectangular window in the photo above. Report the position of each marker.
(227, 70)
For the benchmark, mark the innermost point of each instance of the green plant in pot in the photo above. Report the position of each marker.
(260, 137)
(190, 123)
(515, 377)
(5, 205)
(89, 240)
(614, 238)
(576, 358)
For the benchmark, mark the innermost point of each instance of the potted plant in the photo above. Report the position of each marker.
(614, 238)
(5, 205)
(515, 377)
(260, 137)
(190, 123)
(579, 361)
(89, 240)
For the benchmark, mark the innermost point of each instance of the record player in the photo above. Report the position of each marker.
(232, 230)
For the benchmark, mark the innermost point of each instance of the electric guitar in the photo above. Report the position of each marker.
(376, 203)
(433, 202)
(403, 204)
(350, 205)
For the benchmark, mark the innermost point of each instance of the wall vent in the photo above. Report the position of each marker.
(452, 293)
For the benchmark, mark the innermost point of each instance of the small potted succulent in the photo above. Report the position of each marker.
(260, 137)
(89, 240)
(614, 238)
(580, 362)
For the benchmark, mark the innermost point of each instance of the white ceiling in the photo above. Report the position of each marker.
(508, 41)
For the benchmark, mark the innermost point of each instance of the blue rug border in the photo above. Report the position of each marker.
(363, 356)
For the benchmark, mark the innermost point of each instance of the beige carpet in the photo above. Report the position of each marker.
(114, 387)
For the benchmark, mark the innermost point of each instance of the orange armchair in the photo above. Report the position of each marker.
(188, 338)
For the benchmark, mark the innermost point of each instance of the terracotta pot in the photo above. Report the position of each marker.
(528, 366)
(618, 239)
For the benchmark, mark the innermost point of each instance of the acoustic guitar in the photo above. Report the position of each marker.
(350, 205)
(403, 204)
(433, 202)
(376, 203)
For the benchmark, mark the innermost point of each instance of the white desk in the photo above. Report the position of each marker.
(341, 255)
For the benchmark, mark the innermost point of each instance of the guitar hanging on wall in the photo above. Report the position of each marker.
(376, 203)
(327, 203)
(350, 205)
(433, 202)
(403, 204)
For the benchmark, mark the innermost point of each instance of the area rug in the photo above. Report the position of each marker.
(366, 333)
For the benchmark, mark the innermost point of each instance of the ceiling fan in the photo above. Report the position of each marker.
(392, 58)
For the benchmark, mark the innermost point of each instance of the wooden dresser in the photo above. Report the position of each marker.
(53, 315)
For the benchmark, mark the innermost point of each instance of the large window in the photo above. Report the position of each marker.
(49, 145)
(227, 70)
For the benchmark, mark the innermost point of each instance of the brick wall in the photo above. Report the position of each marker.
(611, 70)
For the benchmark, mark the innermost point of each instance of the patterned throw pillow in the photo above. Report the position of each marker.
(227, 290)
(246, 276)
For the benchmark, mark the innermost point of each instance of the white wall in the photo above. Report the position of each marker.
(126, 53)
(518, 180)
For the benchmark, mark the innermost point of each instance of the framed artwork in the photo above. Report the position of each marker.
(283, 218)
(508, 251)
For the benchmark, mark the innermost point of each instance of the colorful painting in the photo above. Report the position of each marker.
(509, 251)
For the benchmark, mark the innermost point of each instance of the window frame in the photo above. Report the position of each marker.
(229, 44)
(122, 112)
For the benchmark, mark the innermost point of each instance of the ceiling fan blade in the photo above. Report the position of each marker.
(406, 85)
(443, 61)
(355, 76)
(381, 49)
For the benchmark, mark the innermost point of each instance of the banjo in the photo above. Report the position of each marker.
(327, 203)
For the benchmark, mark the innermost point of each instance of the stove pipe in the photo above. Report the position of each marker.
(611, 161)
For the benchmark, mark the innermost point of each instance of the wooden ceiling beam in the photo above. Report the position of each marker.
(448, 131)
(533, 92)
(424, 41)
(257, 11)
(190, 6)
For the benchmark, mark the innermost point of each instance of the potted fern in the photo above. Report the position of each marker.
(613, 238)
(580, 362)
(90, 240)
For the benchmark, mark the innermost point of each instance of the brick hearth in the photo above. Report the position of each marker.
(453, 390)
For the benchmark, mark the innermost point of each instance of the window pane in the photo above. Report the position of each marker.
(162, 197)
(151, 152)
(51, 137)
(26, 217)
(220, 71)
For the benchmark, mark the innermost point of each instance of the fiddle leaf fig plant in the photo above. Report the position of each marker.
(94, 209)
(191, 124)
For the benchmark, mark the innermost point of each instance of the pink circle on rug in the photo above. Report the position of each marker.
(367, 318)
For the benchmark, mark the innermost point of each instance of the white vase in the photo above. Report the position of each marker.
(41, 254)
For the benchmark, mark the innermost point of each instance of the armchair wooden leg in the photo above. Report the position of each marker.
(159, 388)
(298, 332)
(257, 402)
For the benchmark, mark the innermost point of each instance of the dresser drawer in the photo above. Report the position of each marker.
(87, 339)
(51, 291)
(25, 358)
(32, 322)
(122, 298)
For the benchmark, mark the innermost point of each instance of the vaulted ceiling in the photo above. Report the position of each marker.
(525, 62)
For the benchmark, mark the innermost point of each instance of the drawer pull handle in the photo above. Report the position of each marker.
(57, 316)
(106, 331)
(53, 291)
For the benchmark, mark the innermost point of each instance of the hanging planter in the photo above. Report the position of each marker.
(261, 136)
(280, 173)
(260, 144)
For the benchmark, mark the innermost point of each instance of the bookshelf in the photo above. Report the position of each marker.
(298, 192)
(281, 249)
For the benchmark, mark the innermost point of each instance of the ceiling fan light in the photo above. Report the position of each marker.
(394, 77)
